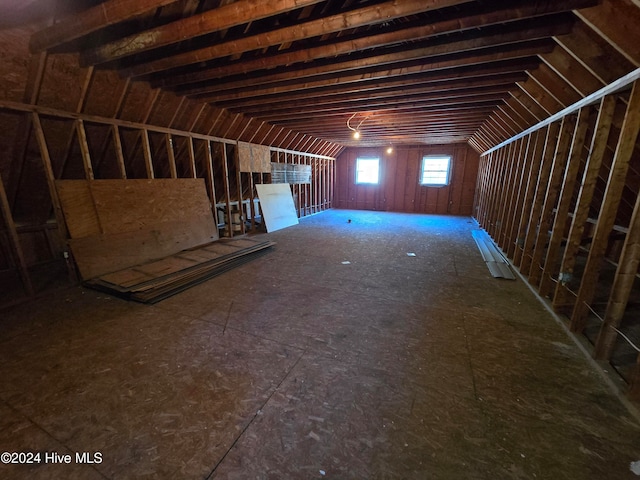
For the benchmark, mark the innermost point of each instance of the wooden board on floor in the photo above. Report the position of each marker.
(156, 280)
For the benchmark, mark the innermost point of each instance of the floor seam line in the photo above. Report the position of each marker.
(255, 415)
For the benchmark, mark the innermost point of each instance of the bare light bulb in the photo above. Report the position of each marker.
(356, 135)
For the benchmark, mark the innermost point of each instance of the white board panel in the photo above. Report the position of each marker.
(277, 205)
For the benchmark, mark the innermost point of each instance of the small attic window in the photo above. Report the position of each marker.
(367, 170)
(435, 170)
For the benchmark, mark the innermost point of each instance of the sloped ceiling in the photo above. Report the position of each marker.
(402, 72)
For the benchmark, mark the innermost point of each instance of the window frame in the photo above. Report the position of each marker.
(425, 158)
(357, 170)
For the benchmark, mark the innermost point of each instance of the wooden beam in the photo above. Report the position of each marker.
(617, 21)
(14, 240)
(608, 210)
(214, 20)
(146, 150)
(532, 158)
(91, 20)
(619, 84)
(171, 156)
(211, 182)
(555, 85)
(227, 189)
(117, 146)
(461, 79)
(512, 206)
(494, 48)
(366, 16)
(22, 107)
(562, 297)
(53, 193)
(622, 286)
(84, 149)
(595, 53)
(561, 219)
(551, 141)
(553, 186)
(192, 157)
(572, 71)
(487, 16)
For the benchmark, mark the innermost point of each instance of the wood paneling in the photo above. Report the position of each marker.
(115, 224)
(399, 189)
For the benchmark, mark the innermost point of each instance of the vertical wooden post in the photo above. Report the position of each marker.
(622, 286)
(540, 191)
(481, 189)
(84, 149)
(146, 149)
(505, 192)
(333, 183)
(551, 196)
(608, 210)
(519, 206)
(515, 184)
(236, 161)
(227, 189)
(53, 193)
(564, 202)
(14, 240)
(192, 157)
(495, 189)
(562, 298)
(210, 179)
(171, 156)
(252, 206)
(117, 146)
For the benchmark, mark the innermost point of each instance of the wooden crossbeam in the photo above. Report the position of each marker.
(91, 20)
(489, 15)
(214, 20)
(400, 63)
(355, 18)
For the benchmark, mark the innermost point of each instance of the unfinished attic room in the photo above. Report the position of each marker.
(309, 239)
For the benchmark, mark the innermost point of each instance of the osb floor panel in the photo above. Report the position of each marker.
(298, 366)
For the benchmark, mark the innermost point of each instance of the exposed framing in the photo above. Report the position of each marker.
(565, 156)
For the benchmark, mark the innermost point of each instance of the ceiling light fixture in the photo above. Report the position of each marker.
(356, 130)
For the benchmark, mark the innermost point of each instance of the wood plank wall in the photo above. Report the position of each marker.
(563, 203)
(399, 189)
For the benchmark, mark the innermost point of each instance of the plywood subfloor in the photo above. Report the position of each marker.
(301, 366)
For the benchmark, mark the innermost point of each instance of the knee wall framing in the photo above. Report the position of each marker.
(562, 201)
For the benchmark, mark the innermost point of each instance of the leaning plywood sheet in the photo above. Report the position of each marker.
(496, 263)
(114, 224)
(277, 205)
